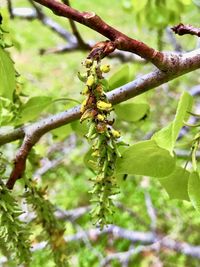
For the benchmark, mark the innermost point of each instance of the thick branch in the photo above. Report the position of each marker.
(20, 159)
(122, 42)
(186, 63)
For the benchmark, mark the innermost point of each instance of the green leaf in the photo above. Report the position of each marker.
(89, 161)
(186, 2)
(146, 158)
(7, 75)
(33, 108)
(138, 5)
(194, 190)
(176, 184)
(120, 77)
(62, 132)
(131, 111)
(167, 136)
(80, 128)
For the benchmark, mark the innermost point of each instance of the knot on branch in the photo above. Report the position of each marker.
(101, 50)
(182, 29)
(89, 15)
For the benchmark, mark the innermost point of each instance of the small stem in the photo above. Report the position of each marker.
(75, 30)
(10, 9)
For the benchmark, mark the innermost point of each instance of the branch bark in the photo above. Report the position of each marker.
(121, 41)
(182, 29)
(173, 64)
(187, 63)
(157, 241)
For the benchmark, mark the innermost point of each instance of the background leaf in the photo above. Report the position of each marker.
(7, 75)
(33, 108)
(131, 111)
(167, 136)
(176, 184)
(146, 158)
(194, 190)
(120, 77)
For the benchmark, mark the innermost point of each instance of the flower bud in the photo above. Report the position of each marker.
(90, 80)
(105, 68)
(104, 105)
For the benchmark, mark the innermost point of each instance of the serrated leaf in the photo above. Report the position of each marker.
(33, 108)
(167, 136)
(7, 75)
(146, 158)
(194, 190)
(176, 184)
(131, 111)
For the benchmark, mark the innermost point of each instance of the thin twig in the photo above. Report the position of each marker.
(32, 13)
(75, 30)
(182, 29)
(187, 63)
(121, 41)
(156, 241)
(151, 211)
(172, 39)
(10, 8)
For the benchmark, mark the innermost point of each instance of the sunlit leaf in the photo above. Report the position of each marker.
(167, 136)
(33, 108)
(194, 190)
(7, 75)
(62, 132)
(146, 158)
(176, 184)
(131, 111)
(80, 128)
(120, 77)
(139, 5)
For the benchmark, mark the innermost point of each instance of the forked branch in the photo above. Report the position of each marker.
(121, 41)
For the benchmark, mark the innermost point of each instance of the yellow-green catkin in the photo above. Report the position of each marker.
(104, 139)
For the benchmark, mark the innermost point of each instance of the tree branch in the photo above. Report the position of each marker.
(75, 30)
(182, 29)
(157, 241)
(121, 41)
(187, 63)
(10, 8)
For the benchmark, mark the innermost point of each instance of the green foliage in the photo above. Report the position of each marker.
(7, 110)
(32, 109)
(194, 190)
(7, 74)
(167, 136)
(53, 228)
(120, 77)
(176, 184)
(158, 14)
(132, 112)
(14, 234)
(146, 158)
